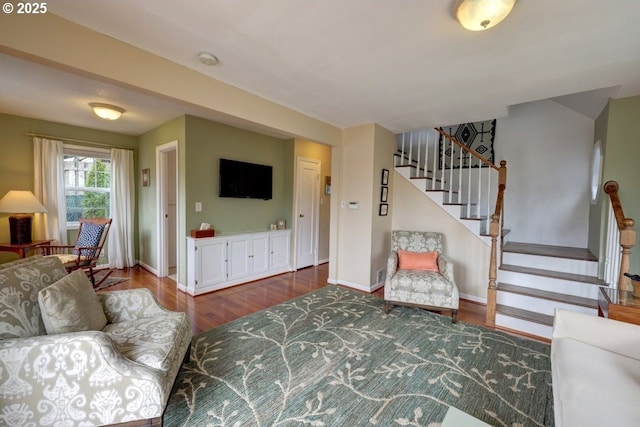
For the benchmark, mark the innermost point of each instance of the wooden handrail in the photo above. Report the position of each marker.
(495, 230)
(627, 234)
(465, 148)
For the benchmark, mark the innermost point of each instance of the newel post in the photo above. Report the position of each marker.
(627, 241)
(492, 292)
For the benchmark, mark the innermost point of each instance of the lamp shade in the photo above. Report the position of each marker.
(106, 111)
(19, 201)
(478, 15)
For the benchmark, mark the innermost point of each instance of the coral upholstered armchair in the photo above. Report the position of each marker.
(418, 274)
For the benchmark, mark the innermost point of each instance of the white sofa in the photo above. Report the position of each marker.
(595, 368)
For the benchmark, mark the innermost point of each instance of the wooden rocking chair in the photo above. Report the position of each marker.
(92, 235)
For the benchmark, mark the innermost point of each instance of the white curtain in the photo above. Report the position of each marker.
(120, 246)
(48, 159)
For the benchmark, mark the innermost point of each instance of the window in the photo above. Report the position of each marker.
(87, 183)
(596, 171)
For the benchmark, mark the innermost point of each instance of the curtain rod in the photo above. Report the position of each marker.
(81, 141)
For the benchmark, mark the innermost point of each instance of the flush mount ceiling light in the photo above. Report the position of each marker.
(106, 111)
(207, 58)
(478, 15)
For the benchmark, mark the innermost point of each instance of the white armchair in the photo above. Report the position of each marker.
(418, 274)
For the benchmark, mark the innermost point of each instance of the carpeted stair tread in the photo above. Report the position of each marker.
(551, 296)
(550, 251)
(592, 280)
(529, 316)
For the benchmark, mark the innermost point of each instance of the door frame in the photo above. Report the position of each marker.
(161, 201)
(316, 213)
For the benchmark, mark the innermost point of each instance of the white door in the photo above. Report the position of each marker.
(307, 212)
(166, 204)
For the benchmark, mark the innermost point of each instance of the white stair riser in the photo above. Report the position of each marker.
(549, 284)
(539, 305)
(587, 268)
(525, 326)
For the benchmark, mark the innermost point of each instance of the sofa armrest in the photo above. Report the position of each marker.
(130, 304)
(83, 368)
(392, 266)
(618, 337)
(446, 268)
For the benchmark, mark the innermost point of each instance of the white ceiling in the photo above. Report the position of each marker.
(404, 64)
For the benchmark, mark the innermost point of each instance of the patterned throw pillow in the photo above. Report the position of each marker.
(71, 305)
(19, 287)
(89, 237)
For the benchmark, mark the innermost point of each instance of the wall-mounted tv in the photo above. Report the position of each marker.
(245, 180)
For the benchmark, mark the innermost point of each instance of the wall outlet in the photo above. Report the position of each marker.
(198, 206)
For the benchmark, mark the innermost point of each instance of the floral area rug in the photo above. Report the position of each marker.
(333, 358)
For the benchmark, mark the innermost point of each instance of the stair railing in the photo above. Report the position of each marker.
(465, 177)
(626, 232)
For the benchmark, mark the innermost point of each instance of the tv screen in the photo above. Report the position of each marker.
(245, 180)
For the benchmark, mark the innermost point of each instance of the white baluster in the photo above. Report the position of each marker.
(426, 151)
(434, 174)
(419, 152)
(402, 150)
(451, 171)
(460, 159)
(411, 149)
(443, 160)
(478, 214)
(469, 185)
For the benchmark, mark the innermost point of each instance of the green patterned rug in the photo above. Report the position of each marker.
(333, 358)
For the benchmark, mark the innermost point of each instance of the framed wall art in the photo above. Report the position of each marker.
(385, 177)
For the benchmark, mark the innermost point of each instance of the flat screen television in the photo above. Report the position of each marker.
(245, 180)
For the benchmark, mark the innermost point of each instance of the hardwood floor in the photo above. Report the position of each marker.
(215, 308)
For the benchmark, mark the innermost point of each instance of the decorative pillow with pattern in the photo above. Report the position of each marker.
(19, 286)
(89, 238)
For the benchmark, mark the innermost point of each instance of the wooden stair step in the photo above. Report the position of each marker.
(554, 274)
(550, 251)
(529, 316)
(547, 295)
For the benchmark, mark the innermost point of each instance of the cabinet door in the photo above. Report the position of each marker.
(260, 253)
(212, 260)
(280, 250)
(239, 263)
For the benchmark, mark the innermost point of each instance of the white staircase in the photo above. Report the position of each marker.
(534, 280)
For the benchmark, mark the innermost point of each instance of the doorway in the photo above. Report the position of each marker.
(307, 212)
(167, 209)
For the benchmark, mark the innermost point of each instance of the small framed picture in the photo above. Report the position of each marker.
(327, 185)
(384, 209)
(385, 176)
(146, 177)
(281, 224)
(384, 194)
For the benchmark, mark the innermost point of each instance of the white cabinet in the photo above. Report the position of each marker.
(279, 248)
(219, 262)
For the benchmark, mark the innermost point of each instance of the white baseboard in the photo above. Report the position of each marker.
(474, 298)
(148, 268)
(364, 288)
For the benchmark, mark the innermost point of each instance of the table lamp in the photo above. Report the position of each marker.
(22, 203)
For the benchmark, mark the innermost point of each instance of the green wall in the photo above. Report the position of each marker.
(621, 160)
(201, 143)
(16, 162)
(207, 142)
(147, 216)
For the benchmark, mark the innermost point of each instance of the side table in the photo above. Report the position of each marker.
(23, 249)
(620, 305)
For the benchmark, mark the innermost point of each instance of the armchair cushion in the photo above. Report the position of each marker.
(427, 261)
(71, 305)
